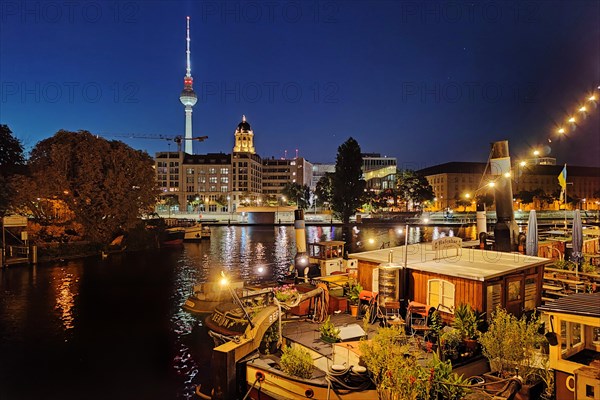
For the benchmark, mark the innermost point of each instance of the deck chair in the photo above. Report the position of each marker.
(392, 315)
(418, 318)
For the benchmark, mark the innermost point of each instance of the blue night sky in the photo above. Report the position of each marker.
(425, 82)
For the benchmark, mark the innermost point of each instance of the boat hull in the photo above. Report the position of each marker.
(193, 233)
(278, 386)
(173, 237)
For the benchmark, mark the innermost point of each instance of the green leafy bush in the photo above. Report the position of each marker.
(329, 331)
(467, 321)
(297, 361)
(511, 343)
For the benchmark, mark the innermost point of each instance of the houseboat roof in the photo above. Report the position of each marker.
(584, 304)
(468, 263)
(329, 243)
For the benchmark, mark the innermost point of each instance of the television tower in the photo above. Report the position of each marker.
(188, 96)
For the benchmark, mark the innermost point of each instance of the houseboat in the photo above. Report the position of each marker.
(573, 325)
(442, 274)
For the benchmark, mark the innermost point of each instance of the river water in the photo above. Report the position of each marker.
(114, 328)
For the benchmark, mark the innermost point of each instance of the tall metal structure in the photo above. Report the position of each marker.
(188, 97)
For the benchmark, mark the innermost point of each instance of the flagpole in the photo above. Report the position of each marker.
(565, 207)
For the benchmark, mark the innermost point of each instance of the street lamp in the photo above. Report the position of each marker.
(229, 208)
(316, 197)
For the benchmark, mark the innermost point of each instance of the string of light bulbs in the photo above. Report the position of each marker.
(589, 104)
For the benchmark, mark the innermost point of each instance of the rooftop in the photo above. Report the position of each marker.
(584, 304)
(469, 263)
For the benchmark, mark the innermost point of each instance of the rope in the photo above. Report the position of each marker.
(202, 395)
(353, 382)
(251, 387)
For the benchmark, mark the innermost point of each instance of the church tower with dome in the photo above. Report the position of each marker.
(244, 138)
(246, 168)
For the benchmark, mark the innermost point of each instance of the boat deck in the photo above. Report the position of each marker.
(306, 332)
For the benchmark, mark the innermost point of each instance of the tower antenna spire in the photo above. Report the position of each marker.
(188, 69)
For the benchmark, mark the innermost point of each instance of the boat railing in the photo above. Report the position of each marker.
(254, 300)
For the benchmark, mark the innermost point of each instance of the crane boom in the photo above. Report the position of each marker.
(176, 139)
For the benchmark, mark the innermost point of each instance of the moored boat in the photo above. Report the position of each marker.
(193, 232)
(207, 296)
(267, 381)
(173, 236)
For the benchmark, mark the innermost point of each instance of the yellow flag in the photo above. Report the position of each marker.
(562, 178)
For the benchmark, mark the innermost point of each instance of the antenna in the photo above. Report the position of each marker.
(188, 69)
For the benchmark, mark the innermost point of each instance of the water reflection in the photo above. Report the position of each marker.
(66, 287)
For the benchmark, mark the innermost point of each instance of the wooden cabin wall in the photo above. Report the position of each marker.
(591, 246)
(365, 273)
(552, 249)
(465, 290)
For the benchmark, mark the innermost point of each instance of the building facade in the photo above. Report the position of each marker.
(278, 172)
(456, 184)
(218, 182)
(379, 172)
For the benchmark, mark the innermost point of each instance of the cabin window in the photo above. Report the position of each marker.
(514, 291)
(596, 336)
(530, 293)
(571, 338)
(494, 298)
(440, 292)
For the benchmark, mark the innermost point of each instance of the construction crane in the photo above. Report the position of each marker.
(176, 139)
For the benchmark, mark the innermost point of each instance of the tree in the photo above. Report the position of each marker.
(324, 188)
(348, 185)
(296, 193)
(486, 198)
(543, 197)
(464, 203)
(106, 184)
(414, 188)
(525, 197)
(12, 163)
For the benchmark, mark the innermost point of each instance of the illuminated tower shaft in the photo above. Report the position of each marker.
(188, 96)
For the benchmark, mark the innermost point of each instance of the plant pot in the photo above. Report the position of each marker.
(354, 310)
(471, 345)
(329, 339)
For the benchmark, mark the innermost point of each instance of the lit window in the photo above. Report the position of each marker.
(440, 292)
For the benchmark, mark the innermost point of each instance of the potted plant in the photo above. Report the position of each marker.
(467, 321)
(353, 297)
(296, 361)
(511, 345)
(450, 341)
(285, 292)
(329, 332)
(435, 324)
